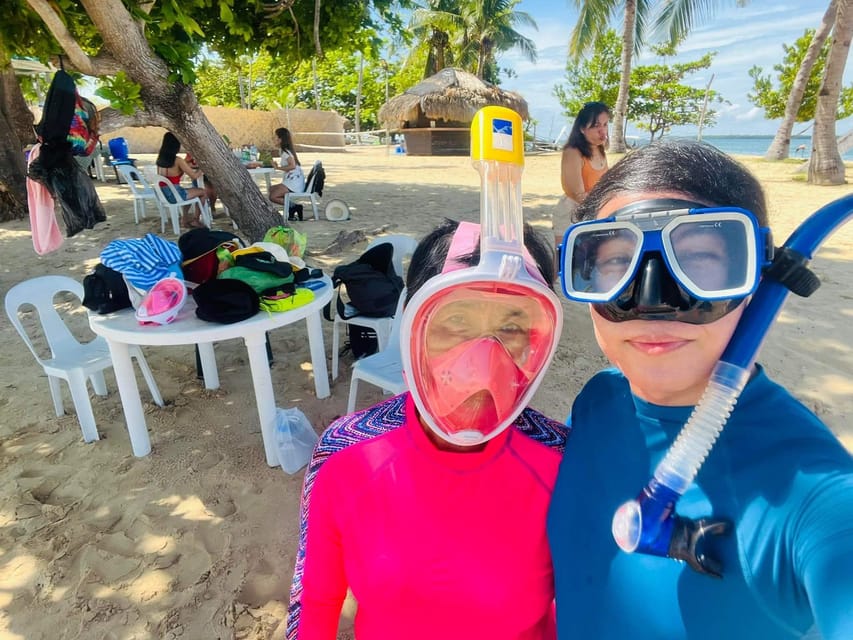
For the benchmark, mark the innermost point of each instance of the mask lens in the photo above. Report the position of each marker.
(711, 255)
(477, 350)
(603, 258)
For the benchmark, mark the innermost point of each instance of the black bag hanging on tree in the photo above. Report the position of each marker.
(55, 167)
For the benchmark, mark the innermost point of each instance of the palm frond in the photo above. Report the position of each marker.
(593, 19)
(677, 18)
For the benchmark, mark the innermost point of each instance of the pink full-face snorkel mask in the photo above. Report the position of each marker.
(476, 341)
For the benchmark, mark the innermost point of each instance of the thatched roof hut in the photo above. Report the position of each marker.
(440, 109)
(451, 95)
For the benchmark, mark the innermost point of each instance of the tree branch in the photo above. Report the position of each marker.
(112, 119)
(102, 65)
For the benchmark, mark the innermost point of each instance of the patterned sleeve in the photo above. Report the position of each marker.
(343, 432)
(542, 429)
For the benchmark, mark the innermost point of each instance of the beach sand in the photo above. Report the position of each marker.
(197, 539)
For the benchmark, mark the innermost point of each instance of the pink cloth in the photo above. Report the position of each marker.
(46, 234)
(433, 544)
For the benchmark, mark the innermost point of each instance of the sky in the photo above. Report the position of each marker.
(743, 37)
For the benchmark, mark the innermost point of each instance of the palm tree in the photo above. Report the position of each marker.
(826, 166)
(437, 26)
(593, 19)
(490, 26)
(781, 145)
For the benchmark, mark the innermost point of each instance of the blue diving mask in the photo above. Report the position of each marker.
(665, 259)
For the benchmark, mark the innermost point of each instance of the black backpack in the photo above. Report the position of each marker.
(105, 291)
(372, 285)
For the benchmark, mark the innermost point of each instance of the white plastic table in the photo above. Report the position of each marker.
(121, 329)
(266, 172)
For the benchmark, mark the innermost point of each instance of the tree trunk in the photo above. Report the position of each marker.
(826, 166)
(617, 140)
(177, 106)
(16, 129)
(704, 108)
(780, 148)
(358, 98)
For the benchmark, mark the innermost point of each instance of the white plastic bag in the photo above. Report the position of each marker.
(295, 439)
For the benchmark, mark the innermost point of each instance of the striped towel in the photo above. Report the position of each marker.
(143, 261)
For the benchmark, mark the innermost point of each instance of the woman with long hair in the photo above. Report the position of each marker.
(173, 168)
(583, 163)
(294, 178)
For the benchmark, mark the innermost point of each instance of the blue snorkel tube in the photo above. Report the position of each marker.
(649, 524)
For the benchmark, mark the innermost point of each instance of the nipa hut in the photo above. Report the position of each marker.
(435, 115)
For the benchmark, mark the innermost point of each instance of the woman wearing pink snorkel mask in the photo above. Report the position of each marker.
(434, 537)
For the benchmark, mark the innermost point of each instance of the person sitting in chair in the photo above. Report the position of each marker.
(294, 178)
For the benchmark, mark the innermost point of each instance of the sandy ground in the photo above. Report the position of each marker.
(197, 539)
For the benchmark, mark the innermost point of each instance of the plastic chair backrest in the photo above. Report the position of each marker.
(118, 149)
(135, 180)
(309, 186)
(394, 336)
(40, 292)
(159, 183)
(404, 246)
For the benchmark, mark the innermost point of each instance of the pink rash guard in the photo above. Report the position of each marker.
(433, 544)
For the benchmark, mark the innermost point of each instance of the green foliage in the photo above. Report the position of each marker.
(121, 92)
(595, 78)
(178, 30)
(34, 88)
(490, 27)
(337, 84)
(774, 98)
(273, 86)
(469, 34)
(595, 18)
(658, 100)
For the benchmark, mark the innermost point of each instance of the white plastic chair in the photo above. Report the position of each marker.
(404, 247)
(174, 208)
(384, 368)
(141, 190)
(70, 360)
(309, 193)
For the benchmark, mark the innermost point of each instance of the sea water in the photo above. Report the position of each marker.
(758, 145)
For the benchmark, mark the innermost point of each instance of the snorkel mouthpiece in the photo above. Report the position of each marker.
(649, 524)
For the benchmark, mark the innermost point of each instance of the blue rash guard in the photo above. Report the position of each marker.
(776, 472)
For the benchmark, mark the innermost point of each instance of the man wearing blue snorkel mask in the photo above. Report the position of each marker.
(672, 246)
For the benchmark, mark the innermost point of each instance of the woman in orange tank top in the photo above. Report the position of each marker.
(583, 163)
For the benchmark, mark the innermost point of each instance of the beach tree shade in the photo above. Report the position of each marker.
(799, 79)
(826, 165)
(156, 45)
(594, 16)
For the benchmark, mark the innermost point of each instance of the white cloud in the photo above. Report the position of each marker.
(755, 113)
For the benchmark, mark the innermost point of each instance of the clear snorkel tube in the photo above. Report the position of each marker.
(497, 153)
(649, 523)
